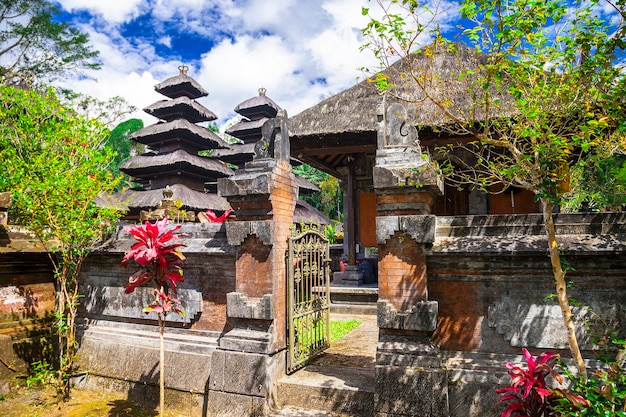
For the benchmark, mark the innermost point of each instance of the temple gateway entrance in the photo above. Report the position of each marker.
(308, 306)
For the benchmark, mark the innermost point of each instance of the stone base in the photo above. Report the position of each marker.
(410, 380)
(242, 384)
(351, 276)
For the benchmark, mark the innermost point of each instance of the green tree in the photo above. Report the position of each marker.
(546, 91)
(119, 139)
(33, 41)
(330, 198)
(55, 163)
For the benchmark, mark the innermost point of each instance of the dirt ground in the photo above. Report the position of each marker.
(38, 402)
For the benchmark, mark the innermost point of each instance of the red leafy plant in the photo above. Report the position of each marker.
(528, 395)
(158, 255)
(214, 218)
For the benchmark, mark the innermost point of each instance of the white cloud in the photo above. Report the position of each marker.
(113, 11)
(165, 40)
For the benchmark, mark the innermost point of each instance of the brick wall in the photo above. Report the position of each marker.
(403, 264)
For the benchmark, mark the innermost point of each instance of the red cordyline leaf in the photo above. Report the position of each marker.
(138, 278)
(514, 408)
(215, 219)
(577, 400)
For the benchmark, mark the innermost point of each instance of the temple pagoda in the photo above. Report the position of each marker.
(255, 112)
(172, 161)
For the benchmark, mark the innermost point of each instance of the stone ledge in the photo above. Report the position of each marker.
(238, 231)
(243, 307)
(421, 228)
(423, 316)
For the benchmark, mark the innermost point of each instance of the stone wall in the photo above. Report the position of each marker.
(120, 344)
(491, 275)
(26, 301)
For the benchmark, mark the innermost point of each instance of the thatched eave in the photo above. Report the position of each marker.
(150, 164)
(180, 108)
(181, 85)
(151, 199)
(197, 137)
(307, 214)
(247, 130)
(258, 107)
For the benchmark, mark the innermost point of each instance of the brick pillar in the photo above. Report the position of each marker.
(409, 377)
(252, 354)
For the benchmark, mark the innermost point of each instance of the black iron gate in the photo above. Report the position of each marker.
(308, 307)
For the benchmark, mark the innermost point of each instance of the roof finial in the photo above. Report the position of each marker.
(262, 91)
(183, 69)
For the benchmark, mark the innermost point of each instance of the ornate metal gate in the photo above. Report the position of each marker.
(308, 310)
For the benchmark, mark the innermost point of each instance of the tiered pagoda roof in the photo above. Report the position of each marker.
(256, 111)
(173, 158)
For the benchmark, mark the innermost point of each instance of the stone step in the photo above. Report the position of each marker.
(299, 412)
(337, 391)
(356, 300)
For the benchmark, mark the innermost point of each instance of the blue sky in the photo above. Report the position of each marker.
(301, 51)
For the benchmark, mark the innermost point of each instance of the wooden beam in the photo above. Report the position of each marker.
(316, 163)
(332, 150)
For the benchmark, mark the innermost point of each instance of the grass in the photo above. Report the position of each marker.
(340, 328)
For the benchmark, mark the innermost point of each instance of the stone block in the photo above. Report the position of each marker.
(246, 340)
(226, 404)
(114, 302)
(245, 373)
(421, 228)
(241, 306)
(473, 400)
(351, 276)
(5, 200)
(525, 323)
(402, 391)
(422, 316)
(237, 232)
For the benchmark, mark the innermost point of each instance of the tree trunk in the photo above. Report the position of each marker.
(161, 366)
(561, 287)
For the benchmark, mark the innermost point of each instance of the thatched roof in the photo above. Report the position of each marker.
(247, 130)
(305, 213)
(150, 199)
(354, 110)
(346, 123)
(181, 85)
(196, 137)
(258, 107)
(305, 186)
(180, 108)
(150, 164)
(238, 153)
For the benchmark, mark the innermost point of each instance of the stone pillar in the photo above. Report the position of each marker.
(409, 377)
(251, 355)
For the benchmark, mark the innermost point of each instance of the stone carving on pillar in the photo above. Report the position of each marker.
(420, 228)
(274, 142)
(399, 160)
